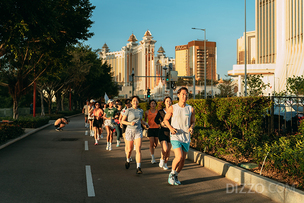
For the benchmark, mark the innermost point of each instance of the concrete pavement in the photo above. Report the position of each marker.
(50, 166)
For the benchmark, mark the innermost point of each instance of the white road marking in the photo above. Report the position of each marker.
(86, 146)
(90, 186)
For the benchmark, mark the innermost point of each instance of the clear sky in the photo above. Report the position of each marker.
(170, 22)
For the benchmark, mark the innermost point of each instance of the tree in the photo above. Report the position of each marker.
(255, 85)
(226, 88)
(295, 85)
(31, 29)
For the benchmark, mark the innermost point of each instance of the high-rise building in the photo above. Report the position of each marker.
(278, 44)
(189, 60)
(139, 59)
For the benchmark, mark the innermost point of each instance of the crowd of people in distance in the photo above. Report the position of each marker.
(171, 126)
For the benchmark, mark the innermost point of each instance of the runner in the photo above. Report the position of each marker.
(182, 123)
(97, 122)
(109, 119)
(60, 123)
(91, 116)
(86, 112)
(123, 127)
(153, 129)
(133, 132)
(164, 134)
(117, 125)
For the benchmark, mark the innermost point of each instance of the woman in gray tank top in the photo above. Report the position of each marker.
(181, 127)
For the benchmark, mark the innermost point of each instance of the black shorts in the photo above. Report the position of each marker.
(86, 115)
(57, 126)
(153, 132)
(97, 123)
(123, 129)
(164, 135)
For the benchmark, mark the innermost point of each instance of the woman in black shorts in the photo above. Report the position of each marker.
(164, 134)
(97, 123)
(153, 128)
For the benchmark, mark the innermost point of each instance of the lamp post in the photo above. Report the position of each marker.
(245, 56)
(132, 81)
(205, 79)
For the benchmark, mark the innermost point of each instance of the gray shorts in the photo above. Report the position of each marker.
(108, 122)
(133, 134)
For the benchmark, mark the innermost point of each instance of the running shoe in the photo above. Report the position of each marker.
(101, 136)
(127, 165)
(107, 148)
(138, 170)
(161, 164)
(96, 143)
(57, 129)
(118, 143)
(131, 159)
(177, 181)
(165, 167)
(171, 179)
(153, 161)
(110, 148)
(60, 129)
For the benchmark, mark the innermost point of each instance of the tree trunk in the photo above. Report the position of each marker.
(50, 105)
(15, 109)
(42, 105)
(62, 102)
(58, 100)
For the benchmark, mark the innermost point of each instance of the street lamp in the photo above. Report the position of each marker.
(205, 79)
(133, 81)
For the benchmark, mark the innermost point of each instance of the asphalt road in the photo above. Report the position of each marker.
(50, 166)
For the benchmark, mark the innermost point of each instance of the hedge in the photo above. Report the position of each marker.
(10, 131)
(232, 129)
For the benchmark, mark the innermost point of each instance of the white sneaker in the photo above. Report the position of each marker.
(107, 148)
(165, 167)
(161, 164)
(153, 161)
(110, 148)
(101, 136)
(131, 159)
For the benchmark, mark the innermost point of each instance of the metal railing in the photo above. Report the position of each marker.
(285, 114)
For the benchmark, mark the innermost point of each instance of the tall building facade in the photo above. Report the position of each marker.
(189, 59)
(278, 43)
(138, 59)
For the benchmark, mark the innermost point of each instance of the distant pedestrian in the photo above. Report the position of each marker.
(98, 120)
(60, 123)
(91, 116)
(85, 111)
(182, 123)
(164, 133)
(109, 114)
(153, 128)
(133, 118)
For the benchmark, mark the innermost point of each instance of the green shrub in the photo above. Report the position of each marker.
(10, 131)
(29, 121)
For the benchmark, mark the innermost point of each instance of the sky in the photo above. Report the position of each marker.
(170, 22)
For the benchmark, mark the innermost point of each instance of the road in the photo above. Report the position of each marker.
(51, 166)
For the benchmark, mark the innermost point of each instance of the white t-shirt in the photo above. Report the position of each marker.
(181, 120)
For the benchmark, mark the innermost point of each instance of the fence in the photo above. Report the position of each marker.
(285, 114)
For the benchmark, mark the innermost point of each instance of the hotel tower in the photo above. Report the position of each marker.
(275, 48)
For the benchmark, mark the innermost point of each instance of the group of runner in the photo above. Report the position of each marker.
(172, 126)
(98, 118)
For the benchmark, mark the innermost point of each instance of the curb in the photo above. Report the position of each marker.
(31, 132)
(274, 190)
(24, 135)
